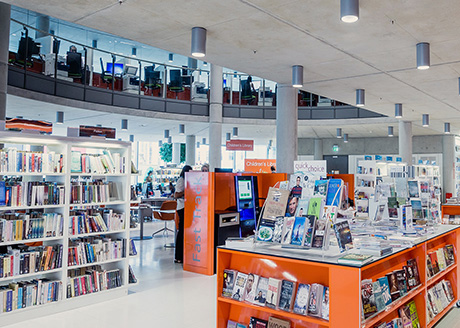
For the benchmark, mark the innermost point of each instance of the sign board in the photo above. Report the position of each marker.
(307, 172)
(88, 131)
(259, 165)
(245, 145)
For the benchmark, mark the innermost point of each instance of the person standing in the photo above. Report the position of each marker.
(179, 196)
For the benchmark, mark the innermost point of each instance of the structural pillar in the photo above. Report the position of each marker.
(5, 15)
(215, 118)
(176, 153)
(286, 128)
(448, 165)
(43, 24)
(318, 150)
(405, 142)
(190, 144)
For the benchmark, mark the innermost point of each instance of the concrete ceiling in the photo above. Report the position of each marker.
(266, 37)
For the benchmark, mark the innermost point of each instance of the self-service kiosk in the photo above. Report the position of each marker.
(246, 203)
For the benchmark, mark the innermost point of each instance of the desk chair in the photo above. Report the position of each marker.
(106, 76)
(167, 212)
(175, 79)
(152, 78)
(73, 62)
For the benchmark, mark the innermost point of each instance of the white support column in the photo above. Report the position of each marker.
(286, 128)
(405, 141)
(176, 153)
(318, 150)
(448, 165)
(215, 118)
(5, 15)
(190, 145)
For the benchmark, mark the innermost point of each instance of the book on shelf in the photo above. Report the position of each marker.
(131, 276)
(89, 221)
(266, 229)
(377, 291)
(93, 191)
(325, 304)
(343, 233)
(257, 323)
(385, 290)
(413, 314)
(92, 280)
(33, 225)
(287, 295)
(301, 299)
(413, 187)
(13, 160)
(315, 206)
(261, 291)
(354, 259)
(367, 298)
(234, 324)
(450, 254)
(228, 282)
(132, 248)
(105, 163)
(321, 233)
(273, 292)
(30, 260)
(441, 259)
(315, 300)
(404, 313)
(238, 288)
(32, 193)
(95, 249)
(334, 192)
(250, 288)
(276, 202)
(288, 226)
(274, 322)
(393, 283)
(298, 231)
(434, 262)
(402, 282)
(320, 188)
(310, 230)
(278, 230)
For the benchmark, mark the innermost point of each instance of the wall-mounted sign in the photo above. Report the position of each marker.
(246, 145)
(259, 165)
(88, 131)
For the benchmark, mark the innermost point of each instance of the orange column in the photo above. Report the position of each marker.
(199, 223)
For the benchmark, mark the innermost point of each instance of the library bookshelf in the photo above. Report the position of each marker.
(344, 282)
(63, 172)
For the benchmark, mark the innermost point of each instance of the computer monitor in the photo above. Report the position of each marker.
(130, 70)
(118, 68)
(187, 79)
(32, 48)
(151, 77)
(175, 78)
(246, 195)
(222, 170)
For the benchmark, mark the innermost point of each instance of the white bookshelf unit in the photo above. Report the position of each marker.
(38, 170)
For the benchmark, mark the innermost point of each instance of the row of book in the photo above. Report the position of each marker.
(20, 295)
(439, 297)
(18, 226)
(440, 259)
(93, 191)
(377, 295)
(451, 219)
(254, 322)
(13, 160)
(95, 249)
(30, 259)
(92, 280)
(408, 318)
(275, 293)
(95, 221)
(97, 163)
(32, 193)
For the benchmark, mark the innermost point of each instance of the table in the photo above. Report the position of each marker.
(155, 203)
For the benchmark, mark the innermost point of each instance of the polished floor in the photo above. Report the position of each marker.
(166, 296)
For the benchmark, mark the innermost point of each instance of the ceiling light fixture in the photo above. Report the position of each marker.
(166, 134)
(297, 76)
(171, 58)
(425, 120)
(447, 128)
(398, 110)
(181, 129)
(345, 137)
(198, 42)
(339, 133)
(360, 97)
(423, 55)
(235, 133)
(205, 63)
(124, 124)
(390, 131)
(349, 11)
(59, 117)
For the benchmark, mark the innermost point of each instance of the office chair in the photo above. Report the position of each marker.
(152, 78)
(175, 78)
(246, 91)
(32, 49)
(73, 63)
(106, 76)
(167, 212)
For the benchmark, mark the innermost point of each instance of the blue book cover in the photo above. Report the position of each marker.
(301, 299)
(9, 300)
(385, 289)
(320, 188)
(298, 232)
(20, 296)
(334, 192)
(2, 193)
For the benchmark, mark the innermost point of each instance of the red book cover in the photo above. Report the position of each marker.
(434, 262)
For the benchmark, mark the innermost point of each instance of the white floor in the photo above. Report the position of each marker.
(165, 297)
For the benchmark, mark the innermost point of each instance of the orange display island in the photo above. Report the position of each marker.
(344, 282)
(205, 194)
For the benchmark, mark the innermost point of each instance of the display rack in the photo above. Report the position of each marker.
(344, 282)
(65, 146)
